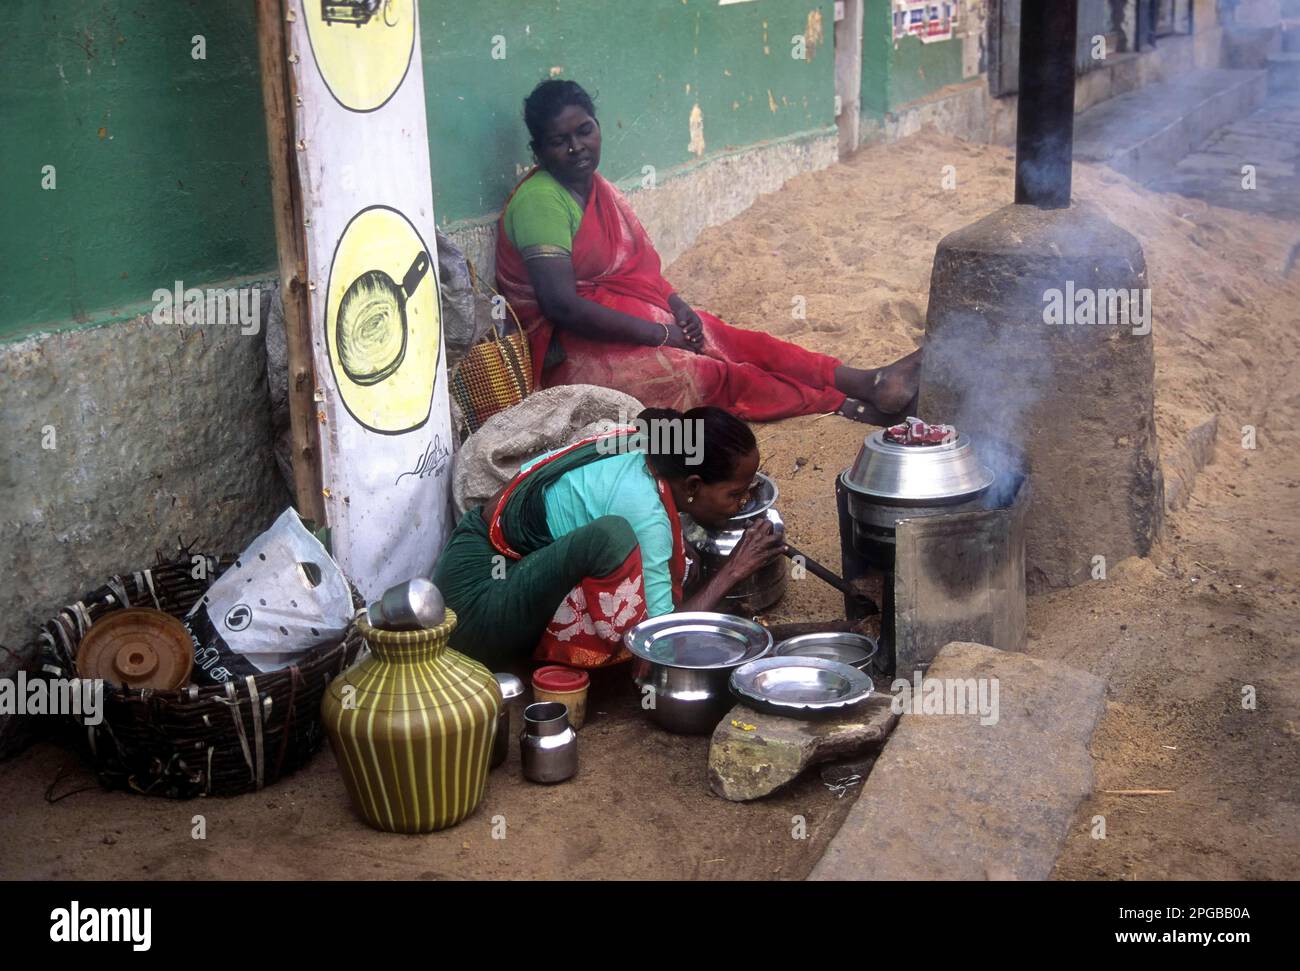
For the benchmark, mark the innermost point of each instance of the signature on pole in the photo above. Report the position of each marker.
(432, 461)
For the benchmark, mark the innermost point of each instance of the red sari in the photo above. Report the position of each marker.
(753, 375)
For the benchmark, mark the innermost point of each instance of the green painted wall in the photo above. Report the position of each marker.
(161, 159)
(895, 75)
(648, 63)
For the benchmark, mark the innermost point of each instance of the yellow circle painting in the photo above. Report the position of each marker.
(383, 326)
(362, 47)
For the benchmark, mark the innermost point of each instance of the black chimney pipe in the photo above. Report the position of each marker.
(1045, 113)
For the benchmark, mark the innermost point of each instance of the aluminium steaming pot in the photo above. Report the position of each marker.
(711, 548)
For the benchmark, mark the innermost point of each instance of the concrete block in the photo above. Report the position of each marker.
(753, 753)
(950, 798)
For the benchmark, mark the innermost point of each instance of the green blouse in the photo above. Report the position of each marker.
(542, 218)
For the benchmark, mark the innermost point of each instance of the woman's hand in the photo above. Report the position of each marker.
(677, 338)
(759, 546)
(688, 320)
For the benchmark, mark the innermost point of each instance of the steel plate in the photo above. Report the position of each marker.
(800, 686)
(855, 650)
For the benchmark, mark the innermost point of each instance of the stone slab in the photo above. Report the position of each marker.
(753, 753)
(1144, 132)
(952, 799)
(1187, 459)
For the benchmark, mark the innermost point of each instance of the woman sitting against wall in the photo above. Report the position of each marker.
(582, 274)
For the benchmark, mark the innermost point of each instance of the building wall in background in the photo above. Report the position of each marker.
(901, 72)
(160, 158)
(653, 66)
(898, 70)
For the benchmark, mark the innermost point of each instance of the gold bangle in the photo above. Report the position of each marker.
(667, 334)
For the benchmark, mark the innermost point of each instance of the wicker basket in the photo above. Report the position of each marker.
(210, 740)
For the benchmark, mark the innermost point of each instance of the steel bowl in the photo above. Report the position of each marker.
(855, 650)
(917, 474)
(683, 662)
(800, 687)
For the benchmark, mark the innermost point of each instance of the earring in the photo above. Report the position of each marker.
(690, 498)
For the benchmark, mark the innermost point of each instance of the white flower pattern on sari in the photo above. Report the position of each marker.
(612, 614)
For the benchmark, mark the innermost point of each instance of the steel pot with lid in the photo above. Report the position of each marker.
(892, 480)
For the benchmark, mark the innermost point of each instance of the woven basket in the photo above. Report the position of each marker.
(496, 373)
(197, 741)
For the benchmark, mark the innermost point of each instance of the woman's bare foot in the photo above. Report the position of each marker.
(865, 412)
(890, 390)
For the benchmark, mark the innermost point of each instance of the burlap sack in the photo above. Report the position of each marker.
(544, 420)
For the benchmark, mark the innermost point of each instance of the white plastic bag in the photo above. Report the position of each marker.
(284, 596)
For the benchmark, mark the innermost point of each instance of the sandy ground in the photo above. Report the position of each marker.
(1176, 636)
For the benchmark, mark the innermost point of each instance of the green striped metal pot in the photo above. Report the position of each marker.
(412, 727)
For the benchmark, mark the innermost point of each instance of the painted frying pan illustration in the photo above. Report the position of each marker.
(356, 12)
(371, 331)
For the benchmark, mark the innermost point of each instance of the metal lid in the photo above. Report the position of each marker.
(511, 686)
(922, 474)
(699, 640)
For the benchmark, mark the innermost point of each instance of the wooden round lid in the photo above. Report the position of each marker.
(137, 647)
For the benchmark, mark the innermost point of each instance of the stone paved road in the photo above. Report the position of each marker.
(1268, 139)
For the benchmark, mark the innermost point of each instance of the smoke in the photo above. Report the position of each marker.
(986, 377)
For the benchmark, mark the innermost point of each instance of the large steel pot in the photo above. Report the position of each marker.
(683, 663)
(916, 475)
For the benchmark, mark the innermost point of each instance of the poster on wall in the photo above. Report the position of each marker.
(363, 167)
(929, 20)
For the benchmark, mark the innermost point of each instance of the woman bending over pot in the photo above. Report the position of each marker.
(585, 542)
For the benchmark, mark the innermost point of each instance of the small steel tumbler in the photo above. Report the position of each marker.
(548, 745)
